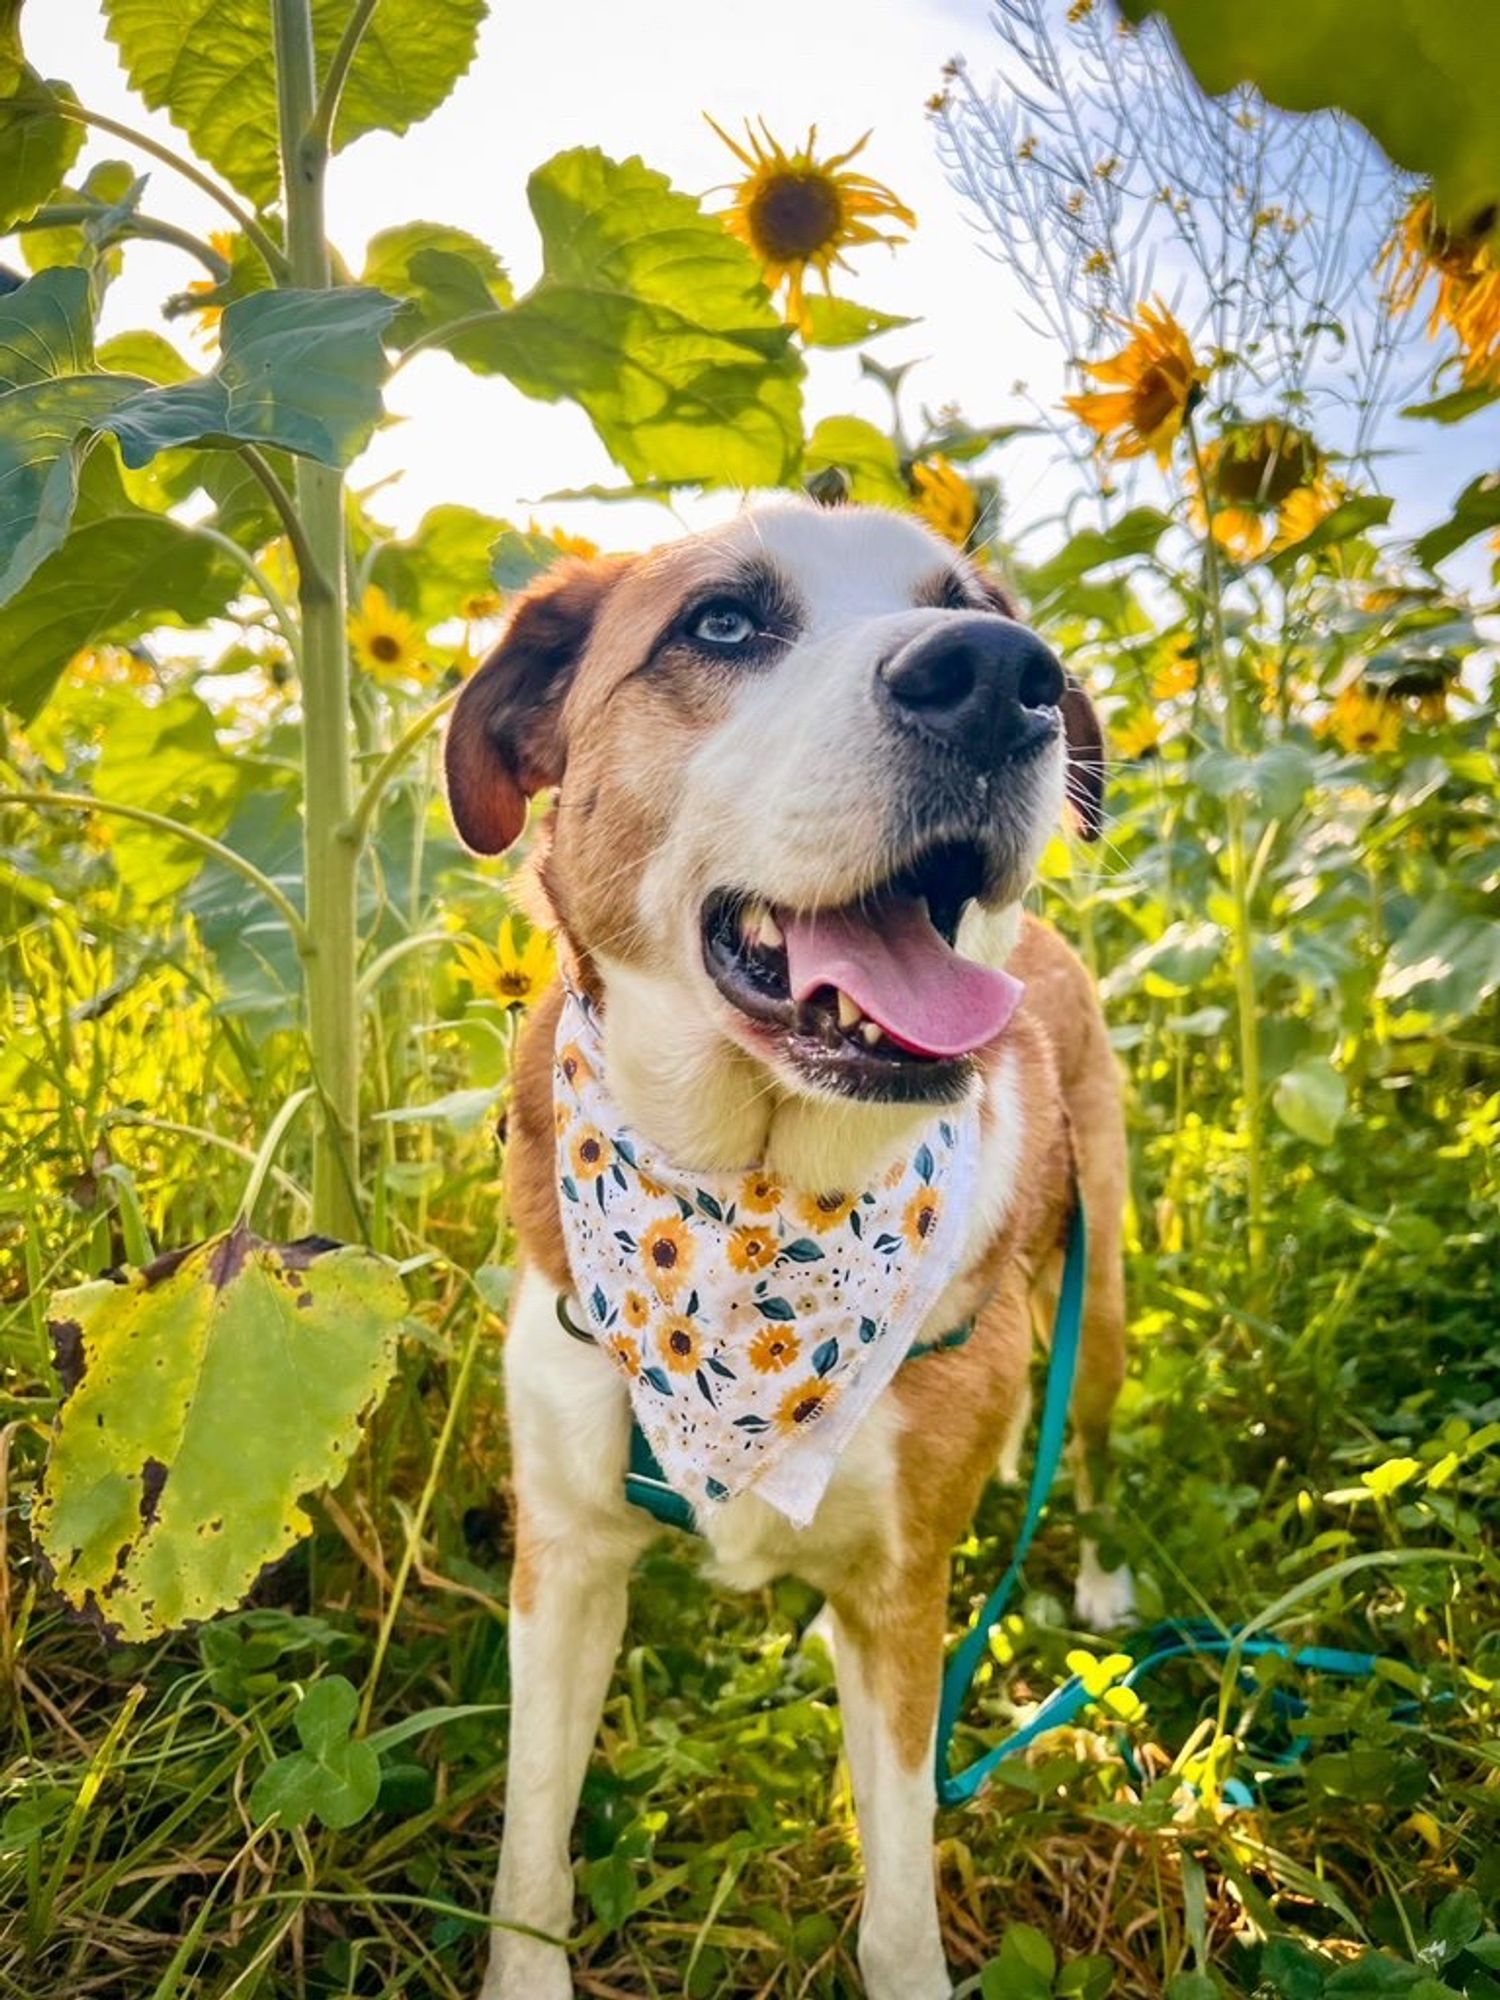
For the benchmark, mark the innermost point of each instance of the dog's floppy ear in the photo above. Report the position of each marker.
(506, 739)
(1081, 727)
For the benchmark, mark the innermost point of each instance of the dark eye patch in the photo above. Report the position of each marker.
(950, 590)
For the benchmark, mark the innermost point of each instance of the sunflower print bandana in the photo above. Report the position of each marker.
(754, 1323)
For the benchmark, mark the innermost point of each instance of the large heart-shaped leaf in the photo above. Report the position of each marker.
(1422, 75)
(439, 273)
(51, 395)
(298, 369)
(204, 1396)
(37, 143)
(210, 64)
(654, 319)
(121, 571)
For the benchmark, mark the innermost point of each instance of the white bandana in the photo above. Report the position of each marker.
(754, 1324)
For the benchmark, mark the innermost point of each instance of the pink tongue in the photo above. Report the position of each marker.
(897, 970)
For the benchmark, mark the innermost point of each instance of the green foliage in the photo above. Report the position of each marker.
(38, 144)
(333, 1777)
(653, 319)
(439, 273)
(161, 1503)
(1422, 75)
(210, 65)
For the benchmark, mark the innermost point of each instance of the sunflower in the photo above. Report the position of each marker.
(1177, 674)
(759, 1193)
(804, 1403)
(386, 643)
(1138, 737)
(944, 499)
(1466, 265)
(636, 1308)
(1157, 382)
(799, 213)
(590, 1152)
(920, 1219)
(825, 1211)
(626, 1352)
(667, 1253)
(774, 1348)
(574, 1064)
(207, 316)
(1361, 722)
(678, 1344)
(1265, 478)
(1305, 510)
(751, 1248)
(515, 972)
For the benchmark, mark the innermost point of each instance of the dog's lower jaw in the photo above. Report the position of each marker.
(709, 1105)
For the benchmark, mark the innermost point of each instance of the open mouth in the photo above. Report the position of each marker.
(868, 999)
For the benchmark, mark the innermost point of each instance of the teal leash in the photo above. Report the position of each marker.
(647, 1487)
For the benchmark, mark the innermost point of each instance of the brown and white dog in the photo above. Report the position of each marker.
(804, 709)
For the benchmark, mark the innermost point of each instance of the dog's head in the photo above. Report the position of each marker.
(806, 764)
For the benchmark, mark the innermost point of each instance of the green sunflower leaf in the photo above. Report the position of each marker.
(37, 143)
(866, 456)
(203, 1397)
(210, 65)
(1422, 75)
(440, 274)
(833, 322)
(655, 320)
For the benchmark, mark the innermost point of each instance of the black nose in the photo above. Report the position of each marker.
(977, 683)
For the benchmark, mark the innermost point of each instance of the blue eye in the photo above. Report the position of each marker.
(722, 623)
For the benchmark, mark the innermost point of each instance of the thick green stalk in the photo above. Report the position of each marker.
(327, 758)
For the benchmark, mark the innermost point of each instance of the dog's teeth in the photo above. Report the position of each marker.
(871, 1033)
(770, 932)
(849, 1014)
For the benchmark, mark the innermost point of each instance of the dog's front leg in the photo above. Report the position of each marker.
(888, 1655)
(566, 1620)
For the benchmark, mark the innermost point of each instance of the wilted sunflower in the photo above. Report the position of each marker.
(1466, 265)
(515, 972)
(799, 213)
(944, 499)
(387, 644)
(1158, 383)
(1268, 479)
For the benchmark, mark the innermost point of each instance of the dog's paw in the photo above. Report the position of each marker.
(1103, 1599)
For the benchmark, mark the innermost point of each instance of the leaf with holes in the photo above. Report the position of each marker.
(210, 65)
(203, 1397)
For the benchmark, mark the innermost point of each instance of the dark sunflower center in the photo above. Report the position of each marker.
(664, 1255)
(924, 1221)
(518, 983)
(807, 1409)
(681, 1343)
(794, 216)
(830, 1204)
(589, 1150)
(385, 648)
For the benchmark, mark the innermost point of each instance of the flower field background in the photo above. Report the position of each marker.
(260, 1009)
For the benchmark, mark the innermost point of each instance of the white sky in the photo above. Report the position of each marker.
(633, 76)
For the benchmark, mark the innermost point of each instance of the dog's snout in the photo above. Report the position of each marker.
(978, 684)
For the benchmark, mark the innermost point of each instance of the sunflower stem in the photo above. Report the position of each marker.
(1241, 886)
(332, 860)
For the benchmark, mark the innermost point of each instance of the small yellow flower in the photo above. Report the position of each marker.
(799, 213)
(386, 643)
(944, 499)
(566, 544)
(110, 666)
(590, 1152)
(751, 1248)
(678, 1344)
(759, 1193)
(1362, 723)
(804, 1403)
(1157, 382)
(1466, 267)
(206, 317)
(825, 1211)
(637, 1309)
(1178, 674)
(626, 1352)
(921, 1216)
(574, 1064)
(774, 1348)
(667, 1252)
(1139, 736)
(515, 973)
